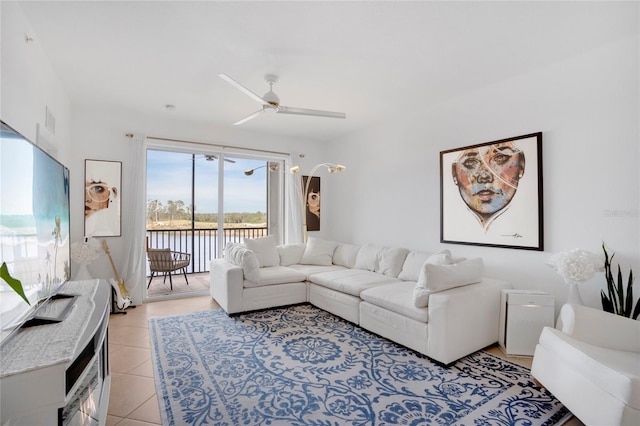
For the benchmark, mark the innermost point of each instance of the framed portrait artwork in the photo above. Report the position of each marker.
(491, 194)
(312, 203)
(102, 195)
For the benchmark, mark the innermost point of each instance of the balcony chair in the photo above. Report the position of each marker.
(591, 364)
(166, 261)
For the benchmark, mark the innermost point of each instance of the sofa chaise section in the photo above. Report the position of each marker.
(235, 294)
(455, 323)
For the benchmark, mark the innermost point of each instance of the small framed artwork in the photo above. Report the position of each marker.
(312, 203)
(491, 194)
(102, 195)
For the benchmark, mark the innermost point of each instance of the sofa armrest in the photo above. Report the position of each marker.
(464, 319)
(600, 328)
(226, 285)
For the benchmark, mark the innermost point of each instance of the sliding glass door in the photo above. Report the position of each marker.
(197, 205)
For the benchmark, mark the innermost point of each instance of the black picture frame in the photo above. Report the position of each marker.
(491, 194)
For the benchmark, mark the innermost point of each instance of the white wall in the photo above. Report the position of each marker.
(28, 84)
(587, 109)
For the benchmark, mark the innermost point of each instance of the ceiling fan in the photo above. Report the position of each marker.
(271, 102)
(210, 157)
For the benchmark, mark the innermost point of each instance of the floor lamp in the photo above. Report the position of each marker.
(331, 168)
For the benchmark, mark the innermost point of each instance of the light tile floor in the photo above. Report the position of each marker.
(133, 400)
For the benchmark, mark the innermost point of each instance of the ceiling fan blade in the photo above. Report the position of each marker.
(314, 112)
(242, 89)
(249, 117)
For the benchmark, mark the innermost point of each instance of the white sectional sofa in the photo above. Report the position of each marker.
(434, 304)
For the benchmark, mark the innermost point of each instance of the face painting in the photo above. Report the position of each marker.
(96, 196)
(313, 201)
(487, 177)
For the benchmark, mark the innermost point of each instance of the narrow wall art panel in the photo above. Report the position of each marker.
(312, 203)
(491, 194)
(103, 180)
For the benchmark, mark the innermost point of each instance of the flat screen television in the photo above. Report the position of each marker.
(34, 227)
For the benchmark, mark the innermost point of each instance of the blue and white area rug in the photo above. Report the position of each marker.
(303, 366)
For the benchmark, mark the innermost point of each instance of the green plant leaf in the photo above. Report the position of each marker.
(607, 306)
(636, 311)
(629, 301)
(617, 301)
(15, 284)
(612, 300)
(620, 291)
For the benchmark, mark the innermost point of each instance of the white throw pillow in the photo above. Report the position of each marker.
(392, 260)
(290, 254)
(345, 255)
(318, 252)
(416, 259)
(442, 258)
(435, 278)
(368, 258)
(265, 249)
(240, 256)
(230, 253)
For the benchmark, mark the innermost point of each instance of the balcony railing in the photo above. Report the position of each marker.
(202, 244)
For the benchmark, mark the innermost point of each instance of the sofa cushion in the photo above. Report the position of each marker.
(397, 298)
(368, 257)
(290, 254)
(239, 255)
(273, 275)
(318, 252)
(351, 281)
(416, 259)
(412, 265)
(392, 260)
(309, 270)
(435, 278)
(265, 249)
(345, 255)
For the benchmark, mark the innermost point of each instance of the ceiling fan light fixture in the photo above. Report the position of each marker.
(271, 98)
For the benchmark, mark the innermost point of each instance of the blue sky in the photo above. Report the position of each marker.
(17, 166)
(169, 178)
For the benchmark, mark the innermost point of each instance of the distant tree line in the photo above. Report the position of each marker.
(178, 210)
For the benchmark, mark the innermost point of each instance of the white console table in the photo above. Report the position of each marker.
(58, 373)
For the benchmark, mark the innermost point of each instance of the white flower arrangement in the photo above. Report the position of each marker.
(86, 251)
(576, 265)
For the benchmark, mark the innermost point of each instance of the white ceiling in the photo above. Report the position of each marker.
(371, 60)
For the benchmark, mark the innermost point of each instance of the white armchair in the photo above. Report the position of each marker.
(592, 365)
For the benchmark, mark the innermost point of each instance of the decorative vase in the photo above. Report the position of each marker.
(574, 294)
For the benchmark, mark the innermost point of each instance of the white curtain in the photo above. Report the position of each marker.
(293, 203)
(133, 224)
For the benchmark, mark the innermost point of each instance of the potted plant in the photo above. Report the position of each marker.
(615, 300)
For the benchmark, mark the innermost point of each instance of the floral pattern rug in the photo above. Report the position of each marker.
(303, 366)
